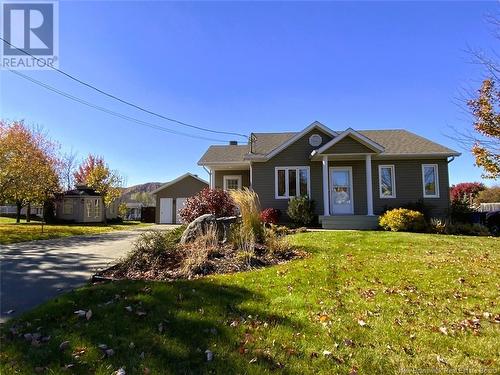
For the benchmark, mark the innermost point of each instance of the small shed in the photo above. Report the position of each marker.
(83, 205)
(170, 197)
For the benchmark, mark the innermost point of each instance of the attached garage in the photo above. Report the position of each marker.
(170, 197)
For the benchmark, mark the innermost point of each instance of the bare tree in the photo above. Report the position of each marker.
(69, 165)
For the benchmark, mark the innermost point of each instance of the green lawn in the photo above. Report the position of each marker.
(10, 232)
(375, 302)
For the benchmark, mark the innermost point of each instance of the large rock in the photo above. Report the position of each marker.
(199, 226)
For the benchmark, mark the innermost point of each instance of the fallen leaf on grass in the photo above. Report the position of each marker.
(443, 330)
(441, 360)
(64, 345)
(361, 322)
(88, 315)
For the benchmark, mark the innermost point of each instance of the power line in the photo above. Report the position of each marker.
(113, 113)
(123, 100)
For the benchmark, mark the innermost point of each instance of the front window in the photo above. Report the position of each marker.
(387, 184)
(89, 208)
(430, 180)
(232, 183)
(67, 207)
(291, 182)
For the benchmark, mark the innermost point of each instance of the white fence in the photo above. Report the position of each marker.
(487, 207)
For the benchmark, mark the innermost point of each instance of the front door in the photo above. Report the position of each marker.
(341, 191)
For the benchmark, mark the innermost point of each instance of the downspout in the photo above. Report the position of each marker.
(209, 171)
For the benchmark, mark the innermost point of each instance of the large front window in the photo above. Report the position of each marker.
(387, 184)
(430, 180)
(291, 182)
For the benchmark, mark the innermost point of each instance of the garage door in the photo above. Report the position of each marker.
(166, 210)
(179, 204)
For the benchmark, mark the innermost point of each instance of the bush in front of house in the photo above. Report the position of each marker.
(403, 220)
(446, 226)
(249, 206)
(208, 201)
(301, 210)
(270, 216)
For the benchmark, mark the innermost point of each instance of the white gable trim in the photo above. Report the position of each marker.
(180, 178)
(353, 133)
(296, 137)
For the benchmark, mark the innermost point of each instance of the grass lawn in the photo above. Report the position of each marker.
(10, 232)
(371, 302)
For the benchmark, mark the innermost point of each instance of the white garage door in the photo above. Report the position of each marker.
(179, 204)
(166, 210)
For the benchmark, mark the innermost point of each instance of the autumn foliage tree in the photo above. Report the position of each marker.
(29, 166)
(96, 174)
(466, 190)
(486, 111)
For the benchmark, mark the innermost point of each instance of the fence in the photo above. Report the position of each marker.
(488, 207)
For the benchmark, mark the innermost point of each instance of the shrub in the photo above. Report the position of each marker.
(197, 254)
(467, 190)
(208, 201)
(301, 210)
(402, 219)
(154, 247)
(270, 216)
(490, 195)
(249, 206)
(276, 243)
(460, 210)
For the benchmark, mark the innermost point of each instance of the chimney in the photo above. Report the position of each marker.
(233, 143)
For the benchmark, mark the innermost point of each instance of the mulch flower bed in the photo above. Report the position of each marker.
(223, 259)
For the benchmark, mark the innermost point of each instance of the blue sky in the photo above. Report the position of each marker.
(262, 66)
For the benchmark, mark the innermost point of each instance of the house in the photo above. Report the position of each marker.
(83, 205)
(170, 197)
(352, 176)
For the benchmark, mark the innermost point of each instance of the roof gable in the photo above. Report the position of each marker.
(178, 179)
(350, 138)
(294, 138)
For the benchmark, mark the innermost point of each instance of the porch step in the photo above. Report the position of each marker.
(360, 222)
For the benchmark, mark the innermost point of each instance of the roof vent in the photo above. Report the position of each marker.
(233, 143)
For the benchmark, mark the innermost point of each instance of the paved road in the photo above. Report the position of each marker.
(33, 272)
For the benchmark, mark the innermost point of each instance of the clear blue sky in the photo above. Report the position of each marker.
(253, 67)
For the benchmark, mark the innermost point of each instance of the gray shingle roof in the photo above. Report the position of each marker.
(400, 141)
(394, 141)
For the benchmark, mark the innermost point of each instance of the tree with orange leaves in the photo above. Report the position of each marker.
(486, 111)
(28, 165)
(95, 173)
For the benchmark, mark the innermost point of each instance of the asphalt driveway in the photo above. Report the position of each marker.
(33, 272)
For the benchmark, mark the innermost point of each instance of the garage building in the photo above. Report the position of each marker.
(170, 197)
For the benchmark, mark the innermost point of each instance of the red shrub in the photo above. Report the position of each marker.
(270, 216)
(208, 201)
(467, 190)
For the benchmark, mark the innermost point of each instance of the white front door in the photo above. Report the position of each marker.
(179, 204)
(341, 191)
(166, 210)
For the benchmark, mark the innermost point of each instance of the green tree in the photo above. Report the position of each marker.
(145, 198)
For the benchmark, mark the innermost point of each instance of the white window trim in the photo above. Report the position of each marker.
(297, 181)
(436, 171)
(231, 177)
(97, 208)
(393, 181)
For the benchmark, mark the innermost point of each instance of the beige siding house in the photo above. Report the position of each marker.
(352, 176)
(170, 197)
